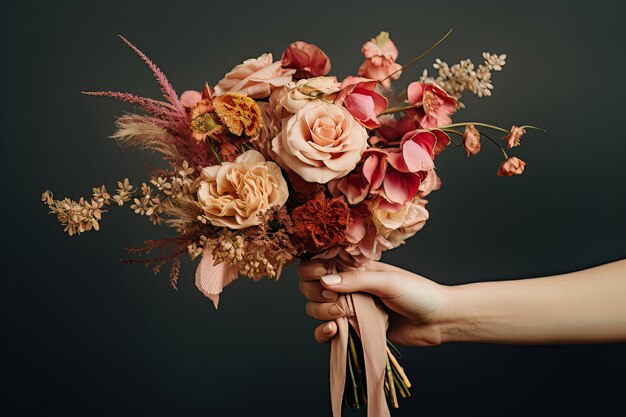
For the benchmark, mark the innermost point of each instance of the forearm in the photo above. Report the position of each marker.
(587, 306)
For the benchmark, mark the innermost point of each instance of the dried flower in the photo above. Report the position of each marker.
(240, 114)
(322, 222)
(471, 140)
(465, 76)
(202, 122)
(512, 166)
(514, 136)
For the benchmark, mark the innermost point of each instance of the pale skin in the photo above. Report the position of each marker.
(586, 306)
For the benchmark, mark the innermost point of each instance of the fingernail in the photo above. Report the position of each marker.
(328, 328)
(329, 295)
(319, 270)
(333, 279)
(334, 310)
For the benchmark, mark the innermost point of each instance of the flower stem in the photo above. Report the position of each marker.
(393, 397)
(496, 143)
(422, 55)
(217, 157)
(352, 377)
(475, 124)
(393, 110)
(456, 132)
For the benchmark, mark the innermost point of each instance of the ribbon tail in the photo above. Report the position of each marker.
(338, 357)
(372, 320)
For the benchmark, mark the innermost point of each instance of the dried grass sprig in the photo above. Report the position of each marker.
(145, 135)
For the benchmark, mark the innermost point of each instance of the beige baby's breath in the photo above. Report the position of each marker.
(458, 78)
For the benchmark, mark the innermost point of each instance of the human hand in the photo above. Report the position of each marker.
(416, 305)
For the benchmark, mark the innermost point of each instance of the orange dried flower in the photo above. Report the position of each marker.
(240, 114)
(202, 122)
(321, 222)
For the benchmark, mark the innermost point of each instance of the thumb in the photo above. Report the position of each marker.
(382, 284)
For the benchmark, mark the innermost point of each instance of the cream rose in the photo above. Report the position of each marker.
(293, 96)
(234, 193)
(414, 221)
(255, 77)
(322, 141)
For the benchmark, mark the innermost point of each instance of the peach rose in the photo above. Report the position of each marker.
(322, 141)
(255, 77)
(233, 194)
(292, 97)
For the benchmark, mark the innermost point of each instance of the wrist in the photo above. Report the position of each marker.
(455, 322)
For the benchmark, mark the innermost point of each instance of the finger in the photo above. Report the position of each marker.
(311, 270)
(325, 331)
(323, 311)
(382, 267)
(382, 284)
(314, 291)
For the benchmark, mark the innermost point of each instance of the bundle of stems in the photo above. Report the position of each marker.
(396, 381)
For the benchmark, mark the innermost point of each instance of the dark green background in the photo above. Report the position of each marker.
(87, 335)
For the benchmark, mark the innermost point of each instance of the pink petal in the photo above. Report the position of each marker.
(415, 92)
(416, 157)
(374, 169)
(211, 279)
(360, 106)
(400, 187)
(190, 97)
(396, 160)
(354, 187)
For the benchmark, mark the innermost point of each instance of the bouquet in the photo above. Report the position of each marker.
(280, 161)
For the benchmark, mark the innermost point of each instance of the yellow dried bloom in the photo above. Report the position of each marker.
(202, 122)
(240, 114)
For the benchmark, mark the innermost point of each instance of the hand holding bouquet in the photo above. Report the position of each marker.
(279, 161)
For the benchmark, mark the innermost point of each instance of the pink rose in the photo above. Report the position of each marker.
(255, 77)
(512, 166)
(380, 59)
(471, 140)
(514, 136)
(358, 96)
(307, 59)
(434, 105)
(322, 141)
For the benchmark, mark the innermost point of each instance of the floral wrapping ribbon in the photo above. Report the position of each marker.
(369, 319)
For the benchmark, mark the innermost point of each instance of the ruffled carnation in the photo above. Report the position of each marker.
(321, 222)
(233, 194)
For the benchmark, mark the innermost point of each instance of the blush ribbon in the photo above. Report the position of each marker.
(369, 319)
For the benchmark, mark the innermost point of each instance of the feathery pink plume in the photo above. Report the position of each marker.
(158, 108)
(168, 91)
